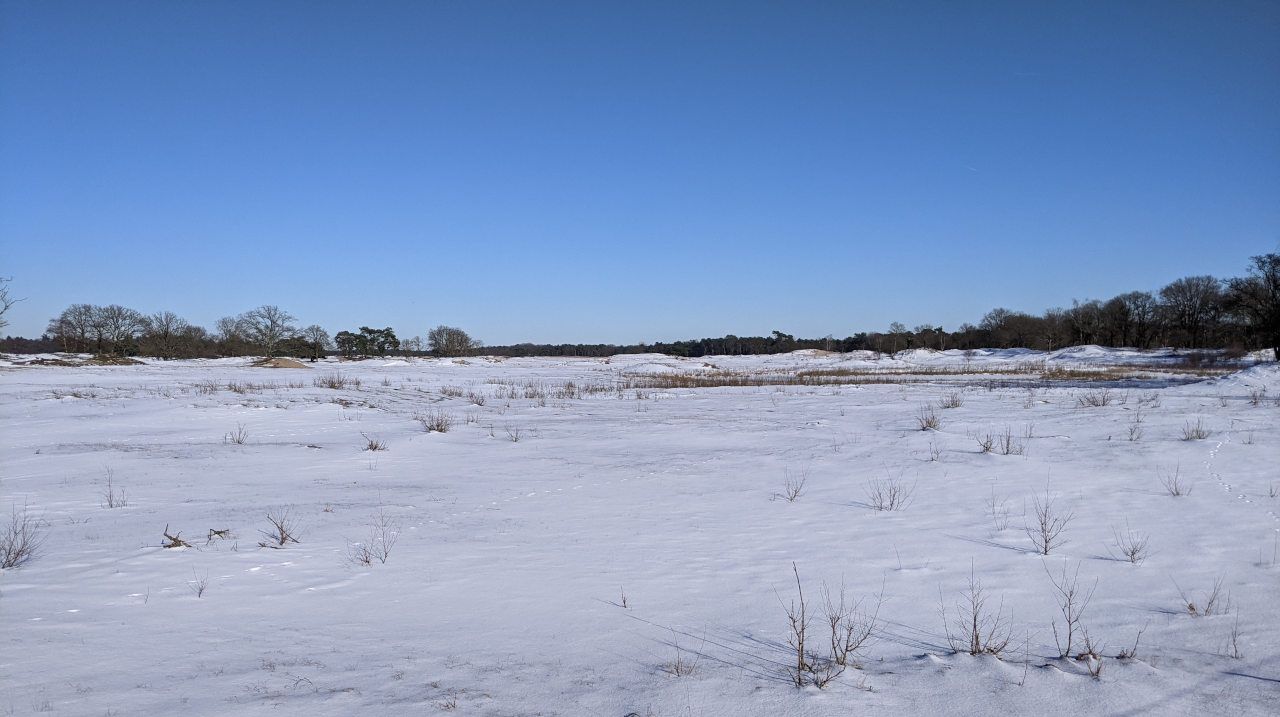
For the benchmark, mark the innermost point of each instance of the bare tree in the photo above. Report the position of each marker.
(319, 340)
(6, 300)
(72, 327)
(116, 327)
(164, 333)
(1257, 299)
(451, 341)
(267, 326)
(1191, 304)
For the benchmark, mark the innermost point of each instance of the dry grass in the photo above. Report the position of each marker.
(1195, 431)
(927, 419)
(335, 380)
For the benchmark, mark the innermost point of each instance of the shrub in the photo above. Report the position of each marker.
(889, 493)
(1130, 545)
(384, 531)
(1213, 602)
(793, 484)
(1195, 431)
(975, 628)
(1173, 483)
(20, 540)
(955, 399)
(928, 419)
(113, 496)
(238, 436)
(435, 421)
(283, 529)
(1072, 602)
(335, 380)
(1095, 399)
(1046, 533)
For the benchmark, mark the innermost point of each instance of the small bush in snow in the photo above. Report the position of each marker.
(373, 443)
(793, 484)
(1129, 545)
(335, 380)
(238, 436)
(283, 529)
(1046, 531)
(1173, 483)
(1195, 431)
(972, 625)
(20, 540)
(889, 493)
(1095, 399)
(955, 399)
(384, 531)
(928, 419)
(113, 496)
(435, 421)
(1072, 602)
(1213, 602)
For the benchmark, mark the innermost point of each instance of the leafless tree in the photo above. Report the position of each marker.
(1256, 298)
(73, 327)
(164, 333)
(451, 341)
(267, 326)
(6, 300)
(1191, 304)
(318, 338)
(115, 327)
(411, 345)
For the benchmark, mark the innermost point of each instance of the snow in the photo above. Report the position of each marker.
(502, 594)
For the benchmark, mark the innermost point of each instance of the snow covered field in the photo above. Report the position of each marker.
(515, 535)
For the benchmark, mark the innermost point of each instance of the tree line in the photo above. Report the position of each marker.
(265, 331)
(1197, 312)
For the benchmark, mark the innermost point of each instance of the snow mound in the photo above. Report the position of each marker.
(1263, 376)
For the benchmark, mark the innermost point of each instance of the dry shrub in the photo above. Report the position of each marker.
(1046, 532)
(435, 421)
(975, 627)
(889, 493)
(283, 529)
(793, 484)
(21, 539)
(1095, 399)
(1195, 431)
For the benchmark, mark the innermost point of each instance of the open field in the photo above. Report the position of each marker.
(624, 536)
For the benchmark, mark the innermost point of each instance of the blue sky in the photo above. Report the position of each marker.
(626, 172)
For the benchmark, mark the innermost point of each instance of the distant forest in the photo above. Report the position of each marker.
(1195, 312)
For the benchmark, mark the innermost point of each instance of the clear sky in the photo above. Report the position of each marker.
(639, 171)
